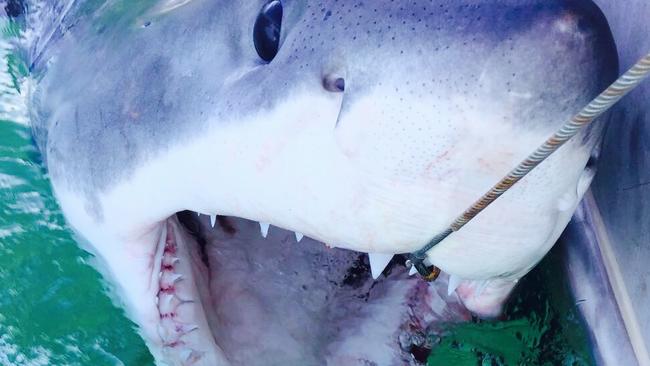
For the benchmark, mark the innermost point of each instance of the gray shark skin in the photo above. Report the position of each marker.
(606, 242)
(147, 111)
(593, 291)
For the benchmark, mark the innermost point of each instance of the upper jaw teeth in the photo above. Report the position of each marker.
(213, 218)
(454, 282)
(378, 263)
(264, 228)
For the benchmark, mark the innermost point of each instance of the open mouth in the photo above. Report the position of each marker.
(234, 292)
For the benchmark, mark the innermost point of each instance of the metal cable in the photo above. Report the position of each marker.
(628, 81)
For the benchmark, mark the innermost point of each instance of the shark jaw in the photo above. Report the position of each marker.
(211, 290)
(237, 293)
(291, 168)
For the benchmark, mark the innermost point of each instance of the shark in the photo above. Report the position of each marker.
(249, 173)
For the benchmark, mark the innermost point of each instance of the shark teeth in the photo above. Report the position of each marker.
(378, 263)
(454, 282)
(413, 271)
(169, 303)
(213, 220)
(299, 236)
(190, 356)
(185, 328)
(171, 331)
(169, 279)
(169, 262)
(264, 229)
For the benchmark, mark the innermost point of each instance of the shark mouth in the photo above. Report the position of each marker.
(232, 291)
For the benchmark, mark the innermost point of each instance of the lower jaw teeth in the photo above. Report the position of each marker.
(172, 304)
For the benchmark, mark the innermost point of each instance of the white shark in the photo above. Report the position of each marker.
(364, 126)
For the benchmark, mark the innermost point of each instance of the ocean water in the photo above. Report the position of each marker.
(540, 326)
(54, 309)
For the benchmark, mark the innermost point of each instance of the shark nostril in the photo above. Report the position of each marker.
(334, 84)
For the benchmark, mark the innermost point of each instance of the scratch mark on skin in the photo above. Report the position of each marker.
(635, 186)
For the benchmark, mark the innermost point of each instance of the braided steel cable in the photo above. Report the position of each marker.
(628, 81)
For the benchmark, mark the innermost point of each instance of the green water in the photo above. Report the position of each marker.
(540, 326)
(54, 311)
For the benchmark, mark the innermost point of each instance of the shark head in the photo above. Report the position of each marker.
(366, 127)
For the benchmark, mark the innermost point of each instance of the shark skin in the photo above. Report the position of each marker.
(370, 130)
(605, 245)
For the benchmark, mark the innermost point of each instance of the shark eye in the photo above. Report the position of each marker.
(266, 32)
